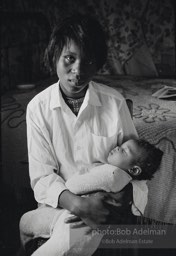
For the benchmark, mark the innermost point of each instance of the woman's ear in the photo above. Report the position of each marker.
(135, 170)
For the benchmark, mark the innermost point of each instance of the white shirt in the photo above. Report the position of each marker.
(61, 144)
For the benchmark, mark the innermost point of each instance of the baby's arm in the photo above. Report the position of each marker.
(102, 177)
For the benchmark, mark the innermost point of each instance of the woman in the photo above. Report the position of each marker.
(70, 125)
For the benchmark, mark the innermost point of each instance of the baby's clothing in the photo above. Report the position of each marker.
(104, 177)
(108, 178)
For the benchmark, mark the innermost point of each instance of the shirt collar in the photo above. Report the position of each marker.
(56, 97)
(57, 100)
(92, 96)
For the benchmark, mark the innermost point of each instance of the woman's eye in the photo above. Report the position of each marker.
(69, 59)
(89, 62)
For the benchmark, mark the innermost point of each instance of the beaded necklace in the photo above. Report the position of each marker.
(74, 104)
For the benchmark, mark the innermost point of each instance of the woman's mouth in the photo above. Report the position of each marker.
(75, 82)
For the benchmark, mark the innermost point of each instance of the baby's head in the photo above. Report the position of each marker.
(86, 33)
(138, 157)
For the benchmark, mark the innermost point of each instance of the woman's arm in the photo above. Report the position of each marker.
(43, 168)
(99, 208)
(91, 210)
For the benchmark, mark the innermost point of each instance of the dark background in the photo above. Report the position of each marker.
(25, 29)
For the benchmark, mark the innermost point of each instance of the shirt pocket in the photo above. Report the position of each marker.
(101, 146)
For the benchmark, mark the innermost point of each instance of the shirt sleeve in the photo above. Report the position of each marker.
(128, 130)
(43, 166)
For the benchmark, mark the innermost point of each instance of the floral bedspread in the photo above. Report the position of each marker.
(155, 121)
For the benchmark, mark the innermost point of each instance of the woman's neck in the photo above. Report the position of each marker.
(73, 103)
(76, 96)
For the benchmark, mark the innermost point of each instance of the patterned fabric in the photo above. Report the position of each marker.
(131, 24)
(74, 104)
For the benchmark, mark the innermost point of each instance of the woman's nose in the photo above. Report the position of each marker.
(76, 68)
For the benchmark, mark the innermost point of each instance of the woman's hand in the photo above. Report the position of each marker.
(103, 208)
(89, 211)
(119, 205)
(93, 210)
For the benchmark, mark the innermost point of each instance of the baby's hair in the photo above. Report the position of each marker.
(149, 160)
(86, 32)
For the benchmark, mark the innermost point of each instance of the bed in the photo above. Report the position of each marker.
(155, 121)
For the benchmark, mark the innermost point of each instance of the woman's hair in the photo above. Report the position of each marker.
(149, 159)
(86, 32)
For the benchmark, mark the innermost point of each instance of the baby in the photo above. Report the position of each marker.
(133, 160)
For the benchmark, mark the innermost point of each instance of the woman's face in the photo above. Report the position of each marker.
(73, 71)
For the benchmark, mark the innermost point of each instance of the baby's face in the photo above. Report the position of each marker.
(125, 155)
